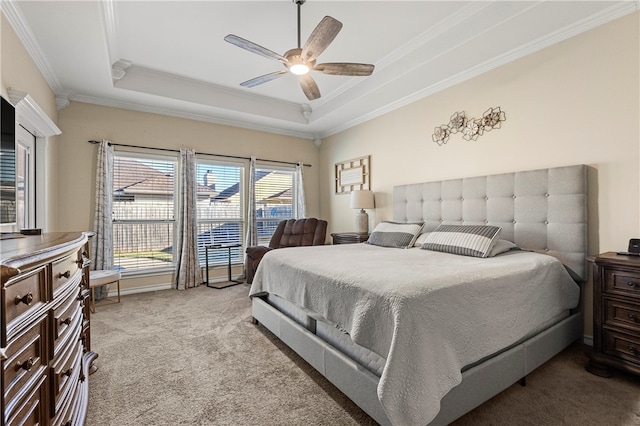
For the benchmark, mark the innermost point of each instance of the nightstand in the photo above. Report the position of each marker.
(349, 237)
(616, 314)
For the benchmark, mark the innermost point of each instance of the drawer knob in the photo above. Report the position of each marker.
(26, 299)
(68, 372)
(631, 284)
(633, 349)
(66, 321)
(65, 274)
(25, 365)
(633, 317)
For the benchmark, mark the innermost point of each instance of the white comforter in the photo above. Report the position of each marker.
(429, 314)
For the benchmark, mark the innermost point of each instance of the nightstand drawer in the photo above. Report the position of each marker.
(621, 345)
(349, 238)
(622, 314)
(623, 282)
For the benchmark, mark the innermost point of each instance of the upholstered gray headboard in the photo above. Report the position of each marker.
(541, 210)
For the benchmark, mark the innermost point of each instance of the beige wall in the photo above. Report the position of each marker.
(76, 161)
(576, 102)
(19, 72)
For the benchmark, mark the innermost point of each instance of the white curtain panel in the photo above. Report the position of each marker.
(251, 239)
(102, 244)
(188, 272)
(300, 203)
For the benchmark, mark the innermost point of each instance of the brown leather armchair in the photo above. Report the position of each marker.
(289, 233)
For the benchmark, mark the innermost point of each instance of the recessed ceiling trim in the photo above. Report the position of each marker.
(147, 80)
(191, 116)
(110, 18)
(614, 12)
(411, 46)
(437, 30)
(26, 36)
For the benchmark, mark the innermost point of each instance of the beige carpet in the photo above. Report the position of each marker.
(194, 358)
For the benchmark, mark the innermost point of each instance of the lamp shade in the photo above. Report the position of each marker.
(361, 200)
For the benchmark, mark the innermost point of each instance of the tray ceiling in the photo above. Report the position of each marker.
(170, 57)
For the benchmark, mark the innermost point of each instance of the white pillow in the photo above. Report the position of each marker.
(395, 234)
(501, 246)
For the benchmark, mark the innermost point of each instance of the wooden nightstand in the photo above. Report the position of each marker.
(616, 314)
(349, 237)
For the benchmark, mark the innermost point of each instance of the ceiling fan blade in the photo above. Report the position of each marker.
(320, 38)
(255, 48)
(309, 87)
(263, 79)
(345, 68)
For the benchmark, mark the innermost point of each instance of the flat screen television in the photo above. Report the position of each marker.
(8, 164)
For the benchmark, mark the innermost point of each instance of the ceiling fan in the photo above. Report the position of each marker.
(300, 61)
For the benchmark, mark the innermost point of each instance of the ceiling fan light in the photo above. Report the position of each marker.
(299, 69)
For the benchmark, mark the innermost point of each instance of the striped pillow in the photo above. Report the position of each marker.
(466, 240)
(395, 234)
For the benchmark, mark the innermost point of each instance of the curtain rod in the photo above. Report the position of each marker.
(93, 141)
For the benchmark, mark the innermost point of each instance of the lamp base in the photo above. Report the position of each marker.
(362, 222)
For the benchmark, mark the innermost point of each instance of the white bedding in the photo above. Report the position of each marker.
(429, 314)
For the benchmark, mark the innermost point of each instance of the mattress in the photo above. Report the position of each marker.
(426, 315)
(371, 361)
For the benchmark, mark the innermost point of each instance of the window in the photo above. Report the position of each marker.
(274, 194)
(220, 209)
(144, 212)
(25, 178)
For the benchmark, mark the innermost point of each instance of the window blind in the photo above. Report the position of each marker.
(144, 210)
(274, 192)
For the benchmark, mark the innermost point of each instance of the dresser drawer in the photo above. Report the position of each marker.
(65, 375)
(21, 298)
(25, 364)
(623, 282)
(622, 345)
(66, 321)
(65, 269)
(68, 412)
(30, 410)
(622, 314)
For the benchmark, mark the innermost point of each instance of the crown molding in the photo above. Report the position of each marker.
(31, 116)
(22, 29)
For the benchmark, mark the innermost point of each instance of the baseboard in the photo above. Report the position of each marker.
(587, 340)
(113, 291)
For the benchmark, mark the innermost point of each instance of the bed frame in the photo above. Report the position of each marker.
(541, 210)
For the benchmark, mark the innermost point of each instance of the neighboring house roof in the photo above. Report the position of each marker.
(145, 180)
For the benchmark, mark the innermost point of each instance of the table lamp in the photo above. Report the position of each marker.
(362, 200)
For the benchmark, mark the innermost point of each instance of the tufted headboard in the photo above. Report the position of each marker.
(541, 210)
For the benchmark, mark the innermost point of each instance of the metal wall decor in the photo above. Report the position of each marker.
(470, 128)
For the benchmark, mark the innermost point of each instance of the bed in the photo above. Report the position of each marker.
(417, 336)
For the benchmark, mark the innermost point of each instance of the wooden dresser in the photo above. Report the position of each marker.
(45, 344)
(616, 314)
